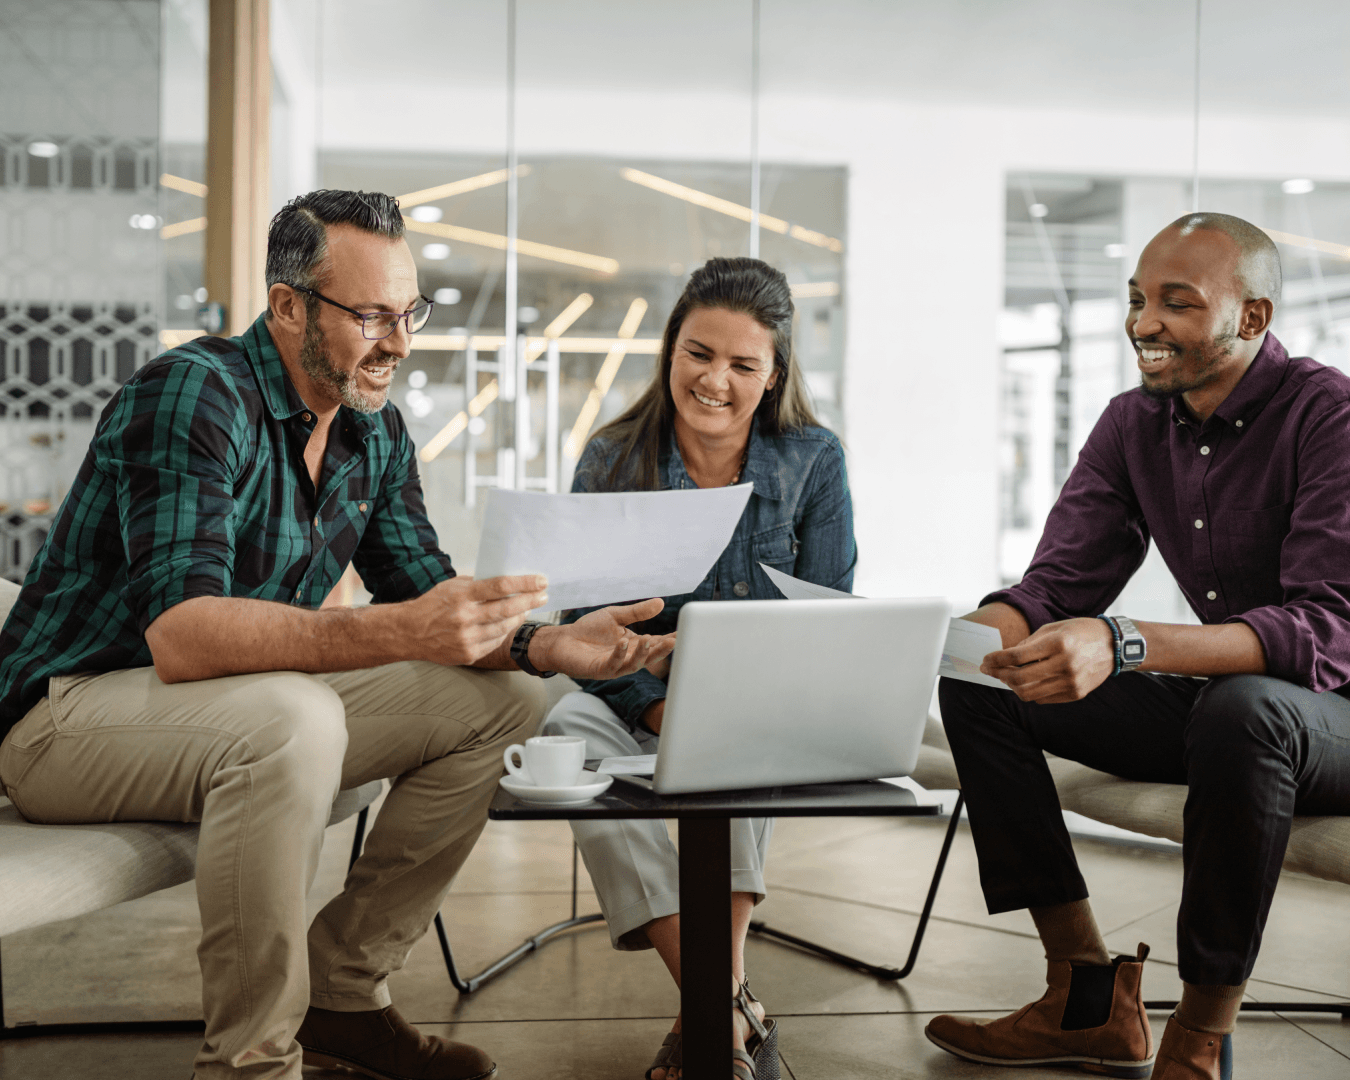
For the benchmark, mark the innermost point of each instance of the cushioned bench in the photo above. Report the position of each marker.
(53, 872)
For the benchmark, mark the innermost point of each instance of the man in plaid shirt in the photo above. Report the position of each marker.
(167, 658)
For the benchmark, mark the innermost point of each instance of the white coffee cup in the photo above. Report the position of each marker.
(548, 760)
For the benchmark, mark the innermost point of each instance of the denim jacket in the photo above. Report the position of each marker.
(799, 520)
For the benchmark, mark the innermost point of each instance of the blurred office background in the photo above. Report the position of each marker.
(956, 191)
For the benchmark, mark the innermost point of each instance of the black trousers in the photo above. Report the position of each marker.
(1254, 751)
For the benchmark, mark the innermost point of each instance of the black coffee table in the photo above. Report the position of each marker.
(705, 878)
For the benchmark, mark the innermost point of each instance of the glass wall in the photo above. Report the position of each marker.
(79, 295)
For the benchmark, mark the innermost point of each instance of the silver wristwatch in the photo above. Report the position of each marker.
(1132, 648)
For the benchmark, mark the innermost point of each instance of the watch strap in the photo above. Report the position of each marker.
(520, 650)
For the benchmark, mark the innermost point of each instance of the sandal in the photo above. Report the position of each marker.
(759, 1059)
(669, 1056)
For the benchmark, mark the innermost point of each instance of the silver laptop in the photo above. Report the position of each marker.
(773, 692)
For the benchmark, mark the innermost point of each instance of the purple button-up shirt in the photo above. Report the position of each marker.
(1250, 510)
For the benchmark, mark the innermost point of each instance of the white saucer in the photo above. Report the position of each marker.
(591, 786)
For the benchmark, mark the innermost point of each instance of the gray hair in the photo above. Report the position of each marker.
(297, 239)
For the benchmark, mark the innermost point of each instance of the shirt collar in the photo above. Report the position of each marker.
(278, 391)
(1261, 379)
(760, 466)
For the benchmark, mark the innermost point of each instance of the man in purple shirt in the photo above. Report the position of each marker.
(1235, 459)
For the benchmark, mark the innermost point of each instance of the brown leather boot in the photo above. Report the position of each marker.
(1184, 1054)
(1055, 1031)
(383, 1045)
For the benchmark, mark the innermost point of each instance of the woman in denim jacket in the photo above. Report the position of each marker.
(727, 405)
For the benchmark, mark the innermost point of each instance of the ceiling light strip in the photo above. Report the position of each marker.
(1340, 251)
(497, 242)
(604, 379)
(559, 326)
(178, 183)
(182, 228)
(731, 209)
(459, 187)
(492, 342)
(459, 422)
(805, 290)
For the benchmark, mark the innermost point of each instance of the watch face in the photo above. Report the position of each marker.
(1132, 652)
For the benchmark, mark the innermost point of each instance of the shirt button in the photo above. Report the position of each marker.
(741, 589)
(1211, 595)
(305, 417)
(316, 521)
(1204, 449)
(1199, 524)
(299, 592)
(1237, 423)
(361, 507)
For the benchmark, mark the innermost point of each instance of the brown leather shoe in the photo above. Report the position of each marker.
(1036, 1034)
(1184, 1054)
(383, 1045)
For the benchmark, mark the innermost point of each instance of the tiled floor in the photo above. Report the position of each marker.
(578, 1009)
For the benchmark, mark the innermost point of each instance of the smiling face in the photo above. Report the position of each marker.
(1193, 332)
(721, 365)
(368, 273)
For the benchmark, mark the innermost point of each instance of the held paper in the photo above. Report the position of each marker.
(609, 547)
(966, 646)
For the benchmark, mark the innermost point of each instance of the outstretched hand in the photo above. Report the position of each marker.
(1062, 661)
(600, 645)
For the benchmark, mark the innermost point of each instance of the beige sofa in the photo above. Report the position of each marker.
(53, 872)
(1319, 846)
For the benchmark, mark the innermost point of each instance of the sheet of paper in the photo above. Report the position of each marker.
(966, 647)
(637, 765)
(797, 589)
(612, 546)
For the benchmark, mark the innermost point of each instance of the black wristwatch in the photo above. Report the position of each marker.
(520, 651)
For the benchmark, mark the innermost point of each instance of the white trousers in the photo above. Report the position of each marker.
(633, 864)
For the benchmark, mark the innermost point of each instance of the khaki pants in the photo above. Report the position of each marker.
(257, 759)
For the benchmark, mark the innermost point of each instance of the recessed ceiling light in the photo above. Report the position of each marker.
(1114, 251)
(527, 316)
(426, 213)
(1300, 186)
(43, 149)
(417, 379)
(1038, 209)
(436, 252)
(447, 296)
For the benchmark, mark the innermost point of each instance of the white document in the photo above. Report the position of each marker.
(797, 589)
(608, 547)
(637, 765)
(966, 646)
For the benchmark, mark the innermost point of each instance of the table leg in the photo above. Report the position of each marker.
(705, 946)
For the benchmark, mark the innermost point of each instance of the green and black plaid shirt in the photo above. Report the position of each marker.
(195, 485)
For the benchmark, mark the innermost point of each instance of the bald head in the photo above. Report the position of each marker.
(1258, 266)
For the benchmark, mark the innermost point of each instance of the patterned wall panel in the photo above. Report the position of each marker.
(79, 246)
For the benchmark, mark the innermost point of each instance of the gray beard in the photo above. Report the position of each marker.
(315, 363)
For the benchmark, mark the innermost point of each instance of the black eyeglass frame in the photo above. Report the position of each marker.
(406, 316)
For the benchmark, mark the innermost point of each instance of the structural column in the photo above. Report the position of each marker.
(237, 143)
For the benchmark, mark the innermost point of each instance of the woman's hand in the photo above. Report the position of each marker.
(600, 645)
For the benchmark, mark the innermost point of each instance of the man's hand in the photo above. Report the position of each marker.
(600, 645)
(1062, 661)
(461, 621)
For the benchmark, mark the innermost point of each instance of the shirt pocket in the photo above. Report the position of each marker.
(776, 547)
(1255, 538)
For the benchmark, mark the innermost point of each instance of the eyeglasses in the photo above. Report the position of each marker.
(378, 325)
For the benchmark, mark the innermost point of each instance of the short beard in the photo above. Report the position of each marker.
(1207, 358)
(315, 363)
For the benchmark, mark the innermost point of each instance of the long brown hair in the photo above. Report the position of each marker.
(747, 285)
